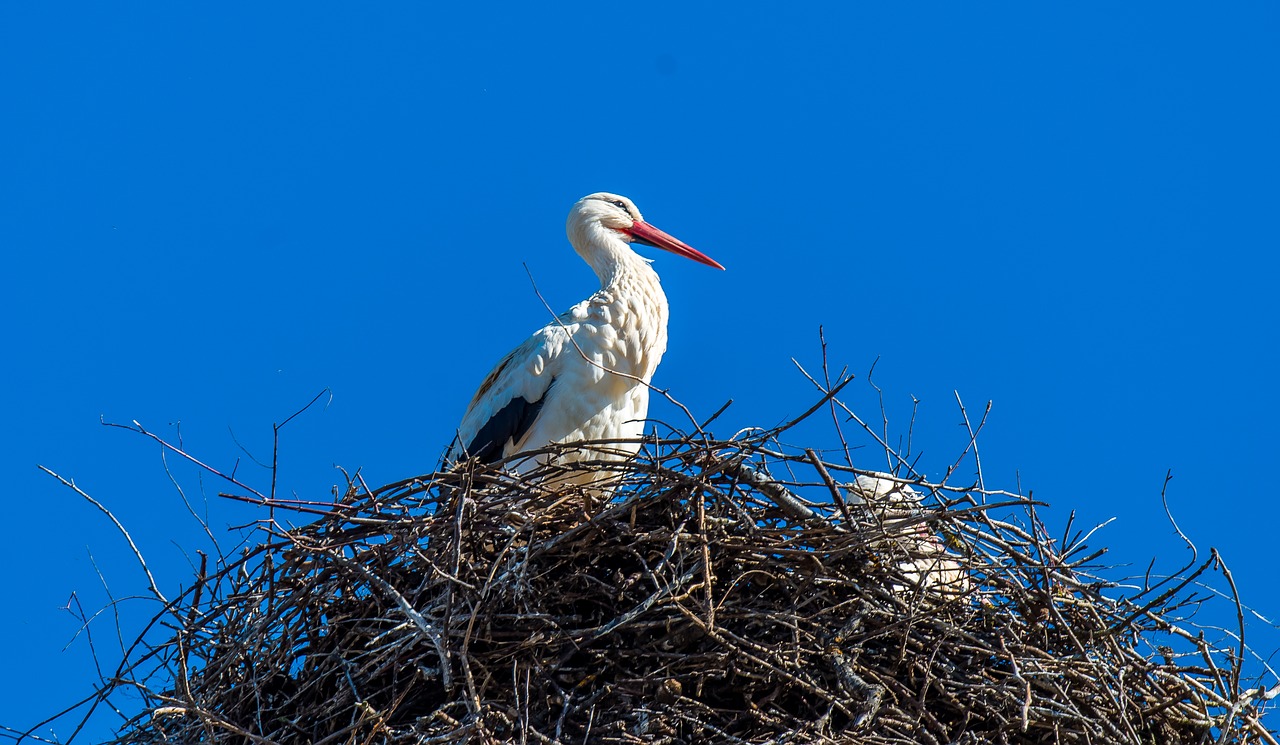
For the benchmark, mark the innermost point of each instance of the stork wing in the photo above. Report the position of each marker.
(509, 399)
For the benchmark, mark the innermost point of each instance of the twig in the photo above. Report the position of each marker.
(151, 581)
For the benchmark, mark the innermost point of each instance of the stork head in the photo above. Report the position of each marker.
(602, 223)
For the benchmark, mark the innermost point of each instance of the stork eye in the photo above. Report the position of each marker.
(620, 203)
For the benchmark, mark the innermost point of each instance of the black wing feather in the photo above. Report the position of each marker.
(510, 423)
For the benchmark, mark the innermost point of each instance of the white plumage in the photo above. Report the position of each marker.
(584, 376)
(923, 559)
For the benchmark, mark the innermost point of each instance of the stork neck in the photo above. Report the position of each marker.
(628, 268)
(630, 300)
(612, 259)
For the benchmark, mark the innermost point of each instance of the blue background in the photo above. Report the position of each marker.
(210, 214)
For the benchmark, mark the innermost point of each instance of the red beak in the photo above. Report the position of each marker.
(643, 232)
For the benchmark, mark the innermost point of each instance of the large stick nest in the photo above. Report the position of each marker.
(728, 591)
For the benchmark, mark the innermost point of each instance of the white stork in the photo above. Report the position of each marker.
(585, 375)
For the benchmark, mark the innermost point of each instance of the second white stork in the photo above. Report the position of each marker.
(584, 375)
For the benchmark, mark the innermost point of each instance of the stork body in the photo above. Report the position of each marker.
(585, 375)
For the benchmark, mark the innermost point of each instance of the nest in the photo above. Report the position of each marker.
(723, 591)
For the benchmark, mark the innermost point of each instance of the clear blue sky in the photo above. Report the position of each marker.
(210, 214)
